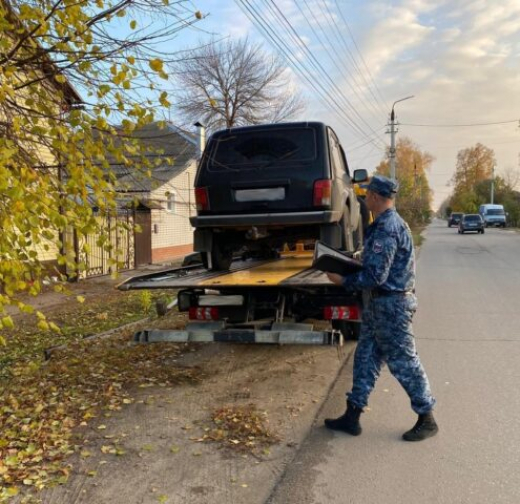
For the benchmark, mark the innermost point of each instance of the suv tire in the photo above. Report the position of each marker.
(221, 257)
(348, 242)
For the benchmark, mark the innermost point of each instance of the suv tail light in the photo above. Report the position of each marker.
(202, 198)
(322, 193)
(341, 313)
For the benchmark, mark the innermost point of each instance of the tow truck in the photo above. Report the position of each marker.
(281, 300)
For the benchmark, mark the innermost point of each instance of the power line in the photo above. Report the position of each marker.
(361, 57)
(281, 46)
(295, 36)
(459, 125)
(330, 44)
(341, 39)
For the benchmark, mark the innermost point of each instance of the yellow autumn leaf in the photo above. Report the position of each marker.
(43, 325)
(7, 322)
(133, 24)
(156, 65)
(80, 299)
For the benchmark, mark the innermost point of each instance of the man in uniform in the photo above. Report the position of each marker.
(388, 277)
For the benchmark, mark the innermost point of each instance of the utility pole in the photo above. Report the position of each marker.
(492, 183)
(393, 131)
(392, 144)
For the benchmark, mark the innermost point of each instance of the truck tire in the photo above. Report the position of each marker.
(350, 330)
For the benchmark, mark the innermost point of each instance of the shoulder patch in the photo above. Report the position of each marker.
(377, 247)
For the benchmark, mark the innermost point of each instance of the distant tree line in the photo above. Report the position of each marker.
(414, 198)
(472, 185)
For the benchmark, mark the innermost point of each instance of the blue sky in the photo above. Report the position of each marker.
(459, 58)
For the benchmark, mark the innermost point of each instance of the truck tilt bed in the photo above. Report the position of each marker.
(287, 271)
(257, 301)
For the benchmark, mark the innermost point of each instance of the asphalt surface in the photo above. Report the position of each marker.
(468, 337)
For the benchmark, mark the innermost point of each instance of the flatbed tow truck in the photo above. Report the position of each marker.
(278, 301)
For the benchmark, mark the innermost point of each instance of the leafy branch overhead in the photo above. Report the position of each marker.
(70, 72)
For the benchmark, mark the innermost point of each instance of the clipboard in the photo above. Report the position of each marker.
(331, 260)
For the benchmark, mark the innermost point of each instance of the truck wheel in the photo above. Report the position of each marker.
(350, 330)
(347, 236)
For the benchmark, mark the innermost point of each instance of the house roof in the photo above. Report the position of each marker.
(169, 142)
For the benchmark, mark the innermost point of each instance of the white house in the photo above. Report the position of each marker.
(165, 201)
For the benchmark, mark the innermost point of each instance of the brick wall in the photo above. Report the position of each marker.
(166, 254)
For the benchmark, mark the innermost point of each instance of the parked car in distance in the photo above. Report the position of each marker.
(258, 187)
(454, 219)
(471, 222)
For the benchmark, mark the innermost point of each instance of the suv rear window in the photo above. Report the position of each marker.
(258, 149)
(471, 218)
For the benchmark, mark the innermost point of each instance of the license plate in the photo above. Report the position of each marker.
(268, 194)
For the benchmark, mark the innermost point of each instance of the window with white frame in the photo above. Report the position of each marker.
(170, 202)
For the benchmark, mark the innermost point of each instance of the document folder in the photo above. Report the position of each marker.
(334, 261)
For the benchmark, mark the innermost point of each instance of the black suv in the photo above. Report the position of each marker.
(259, 187)
(471, 222)
(455, 219)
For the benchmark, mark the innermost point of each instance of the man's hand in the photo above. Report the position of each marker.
(335, 278)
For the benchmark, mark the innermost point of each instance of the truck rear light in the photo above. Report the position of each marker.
(203, 313)
(202, 198)
(341, 313)
(322, 193)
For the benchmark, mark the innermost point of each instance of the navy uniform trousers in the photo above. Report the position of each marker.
(387, 337)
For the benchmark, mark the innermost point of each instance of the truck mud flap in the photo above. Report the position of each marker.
(284, 337)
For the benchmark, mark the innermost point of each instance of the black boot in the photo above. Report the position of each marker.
(424, 428)
(348, 422)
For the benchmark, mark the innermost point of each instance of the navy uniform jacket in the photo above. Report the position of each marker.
(388, 256)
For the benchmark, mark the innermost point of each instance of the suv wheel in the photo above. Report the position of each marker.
(221, 257)
(364, 222)
(347, 236)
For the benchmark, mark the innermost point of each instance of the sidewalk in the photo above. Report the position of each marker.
(88, 288)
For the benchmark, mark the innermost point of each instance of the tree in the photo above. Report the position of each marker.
(234, 83)
(55, 146)
(474, 168)
(414, 197)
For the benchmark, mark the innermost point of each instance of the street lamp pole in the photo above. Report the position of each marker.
(393, 131)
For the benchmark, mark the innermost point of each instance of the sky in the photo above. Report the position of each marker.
(459, 59)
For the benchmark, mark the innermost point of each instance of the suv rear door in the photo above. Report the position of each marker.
(264, 168)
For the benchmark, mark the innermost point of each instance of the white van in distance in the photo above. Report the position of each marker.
(493, 215)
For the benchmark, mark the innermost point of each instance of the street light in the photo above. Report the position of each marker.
(392, 137)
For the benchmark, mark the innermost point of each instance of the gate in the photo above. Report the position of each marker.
(111, 250)
(143, 239)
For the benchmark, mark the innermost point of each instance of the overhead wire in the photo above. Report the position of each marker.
(341, 41)
(299, 41)
(332, 57)
(361, 57)
(460, 125)
(282, 48)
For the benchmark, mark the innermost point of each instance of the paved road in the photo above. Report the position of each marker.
(468, 331)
